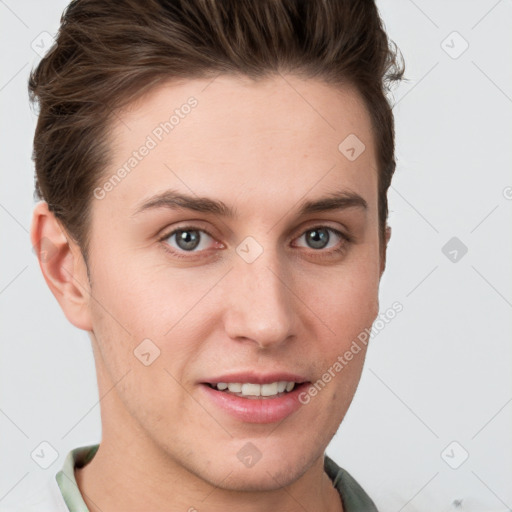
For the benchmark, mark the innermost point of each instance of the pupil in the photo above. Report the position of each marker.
(186, 240)
(319, 238)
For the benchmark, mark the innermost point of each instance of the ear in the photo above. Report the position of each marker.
(62, 265)
(384, 251)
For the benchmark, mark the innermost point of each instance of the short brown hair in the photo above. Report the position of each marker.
(108, 53)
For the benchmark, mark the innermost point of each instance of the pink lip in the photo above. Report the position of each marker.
(255, 410)
(256, 378)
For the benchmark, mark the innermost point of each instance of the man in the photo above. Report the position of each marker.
(213, 177)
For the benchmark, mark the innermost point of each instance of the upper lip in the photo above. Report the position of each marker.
(256, 378)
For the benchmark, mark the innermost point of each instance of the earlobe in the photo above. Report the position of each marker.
(384, 251)
(388, 234)
(62, 265)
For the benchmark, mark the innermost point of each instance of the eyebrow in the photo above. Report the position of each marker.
(173, 200)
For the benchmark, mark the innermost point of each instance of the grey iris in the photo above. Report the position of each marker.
(187, 240)
(318, 238)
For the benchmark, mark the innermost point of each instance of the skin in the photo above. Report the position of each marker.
(261, 149)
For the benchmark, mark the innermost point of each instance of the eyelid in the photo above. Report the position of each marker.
(187, 227)
(343, 232)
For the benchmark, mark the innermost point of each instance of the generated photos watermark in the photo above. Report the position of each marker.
(156, 136)
(343, 360)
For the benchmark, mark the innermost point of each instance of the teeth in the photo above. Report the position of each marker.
(269, 389)
(255, 390)
(251, 389)
(235, 387)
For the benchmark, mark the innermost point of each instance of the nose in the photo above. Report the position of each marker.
(260, 304)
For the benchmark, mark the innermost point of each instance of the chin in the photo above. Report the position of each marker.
(264, 478)
(271, 473)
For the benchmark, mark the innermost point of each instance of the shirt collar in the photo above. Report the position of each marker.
(66, 480)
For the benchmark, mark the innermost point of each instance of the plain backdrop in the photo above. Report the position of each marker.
(429, 427)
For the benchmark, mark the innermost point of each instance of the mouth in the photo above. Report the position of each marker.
(253, 397)
(255, 391)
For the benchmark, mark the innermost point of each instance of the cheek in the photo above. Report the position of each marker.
(135, 303)
(348, 307)
(131, 318)
(347, 301)
(133, 296)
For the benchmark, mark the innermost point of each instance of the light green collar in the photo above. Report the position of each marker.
(78, 457)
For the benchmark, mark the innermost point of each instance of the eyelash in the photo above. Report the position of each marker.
(323, 254)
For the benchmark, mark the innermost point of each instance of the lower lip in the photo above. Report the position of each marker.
(256, 410)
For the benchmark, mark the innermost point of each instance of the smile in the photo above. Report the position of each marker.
(255, 391)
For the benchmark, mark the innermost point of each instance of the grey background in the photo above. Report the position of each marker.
(439, 372)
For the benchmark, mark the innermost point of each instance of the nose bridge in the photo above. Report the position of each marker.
(259, 302)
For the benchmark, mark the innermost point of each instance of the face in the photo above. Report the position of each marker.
(266, 273)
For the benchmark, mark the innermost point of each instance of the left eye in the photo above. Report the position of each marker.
(319, 237)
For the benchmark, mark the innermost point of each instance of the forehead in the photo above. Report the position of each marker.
(277, 135)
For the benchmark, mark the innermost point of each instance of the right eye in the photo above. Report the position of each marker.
(187, 239)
